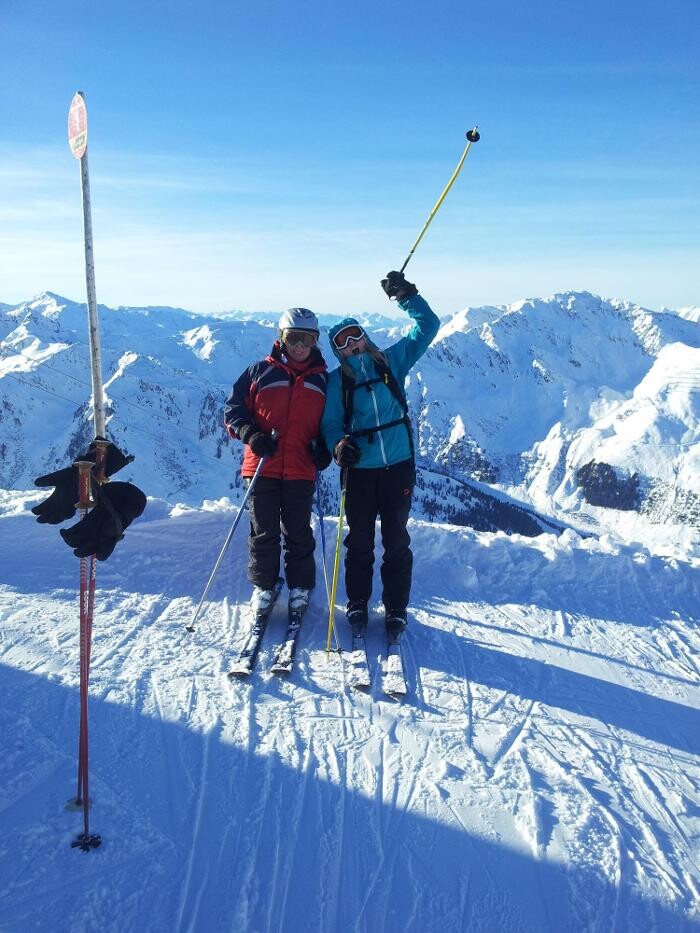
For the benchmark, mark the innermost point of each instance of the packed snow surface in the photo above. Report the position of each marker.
(542, 774)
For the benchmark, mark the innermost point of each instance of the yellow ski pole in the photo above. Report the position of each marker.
(472, 137)
(321, 518)
(336, 564)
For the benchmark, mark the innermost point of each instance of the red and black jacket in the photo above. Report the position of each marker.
(279, 393)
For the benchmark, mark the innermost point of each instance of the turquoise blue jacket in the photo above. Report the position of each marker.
(375, 404)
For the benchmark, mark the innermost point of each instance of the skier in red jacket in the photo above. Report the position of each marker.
(284, 392)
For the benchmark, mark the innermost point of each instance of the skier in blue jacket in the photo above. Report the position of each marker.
(366, 426)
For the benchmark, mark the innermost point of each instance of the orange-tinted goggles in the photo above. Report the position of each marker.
(293, 337)
(344, 336)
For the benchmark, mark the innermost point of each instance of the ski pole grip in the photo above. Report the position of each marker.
(101, 445)
(85, 497)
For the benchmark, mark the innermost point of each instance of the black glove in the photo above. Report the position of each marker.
(320, 454)
(114, 459)
(98, 532)
(62, 502)
(260, 442)
(396, 286)
(347, 452)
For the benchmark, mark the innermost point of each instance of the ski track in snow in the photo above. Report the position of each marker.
(542, 773)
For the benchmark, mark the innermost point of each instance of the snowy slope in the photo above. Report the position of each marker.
(542, 775)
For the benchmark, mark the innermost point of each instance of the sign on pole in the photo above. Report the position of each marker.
(77, 139)
(77, 126)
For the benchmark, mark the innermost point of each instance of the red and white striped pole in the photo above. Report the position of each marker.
(77, 139)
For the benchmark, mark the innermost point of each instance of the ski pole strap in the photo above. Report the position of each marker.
(113, 514)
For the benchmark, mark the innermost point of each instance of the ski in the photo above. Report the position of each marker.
(359, 666)
(243, 665)
(393, 677)
(284, 658)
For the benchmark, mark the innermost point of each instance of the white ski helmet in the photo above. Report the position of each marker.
(299, 319)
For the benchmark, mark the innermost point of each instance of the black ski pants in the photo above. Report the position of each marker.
(385, 492)
(281, 508)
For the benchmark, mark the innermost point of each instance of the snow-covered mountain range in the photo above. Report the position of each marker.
(565, 405)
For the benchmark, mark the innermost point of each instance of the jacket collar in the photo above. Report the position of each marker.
(314, 364)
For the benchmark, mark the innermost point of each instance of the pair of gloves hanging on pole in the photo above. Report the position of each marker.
(116, 504)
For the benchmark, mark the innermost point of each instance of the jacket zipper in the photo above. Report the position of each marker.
(376, 412)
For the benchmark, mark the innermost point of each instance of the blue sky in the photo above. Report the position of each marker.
(268, 154)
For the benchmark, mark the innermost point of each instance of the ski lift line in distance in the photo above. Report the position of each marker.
(115, 397)
(76, 404)
(34, 385)
(82, 382)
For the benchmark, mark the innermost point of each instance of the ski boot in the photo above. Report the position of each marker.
(395, 622)
(357, 616)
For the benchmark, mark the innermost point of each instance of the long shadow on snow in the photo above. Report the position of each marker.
(655, 718)
(201, 834)
(573, 649)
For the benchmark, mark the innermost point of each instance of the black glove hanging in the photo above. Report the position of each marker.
(118, 504)
(396, 286)
(61, 504)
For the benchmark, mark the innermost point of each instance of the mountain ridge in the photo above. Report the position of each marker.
(521, 397)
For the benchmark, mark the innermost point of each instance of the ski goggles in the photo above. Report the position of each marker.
(293, 337)
(344, 336)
